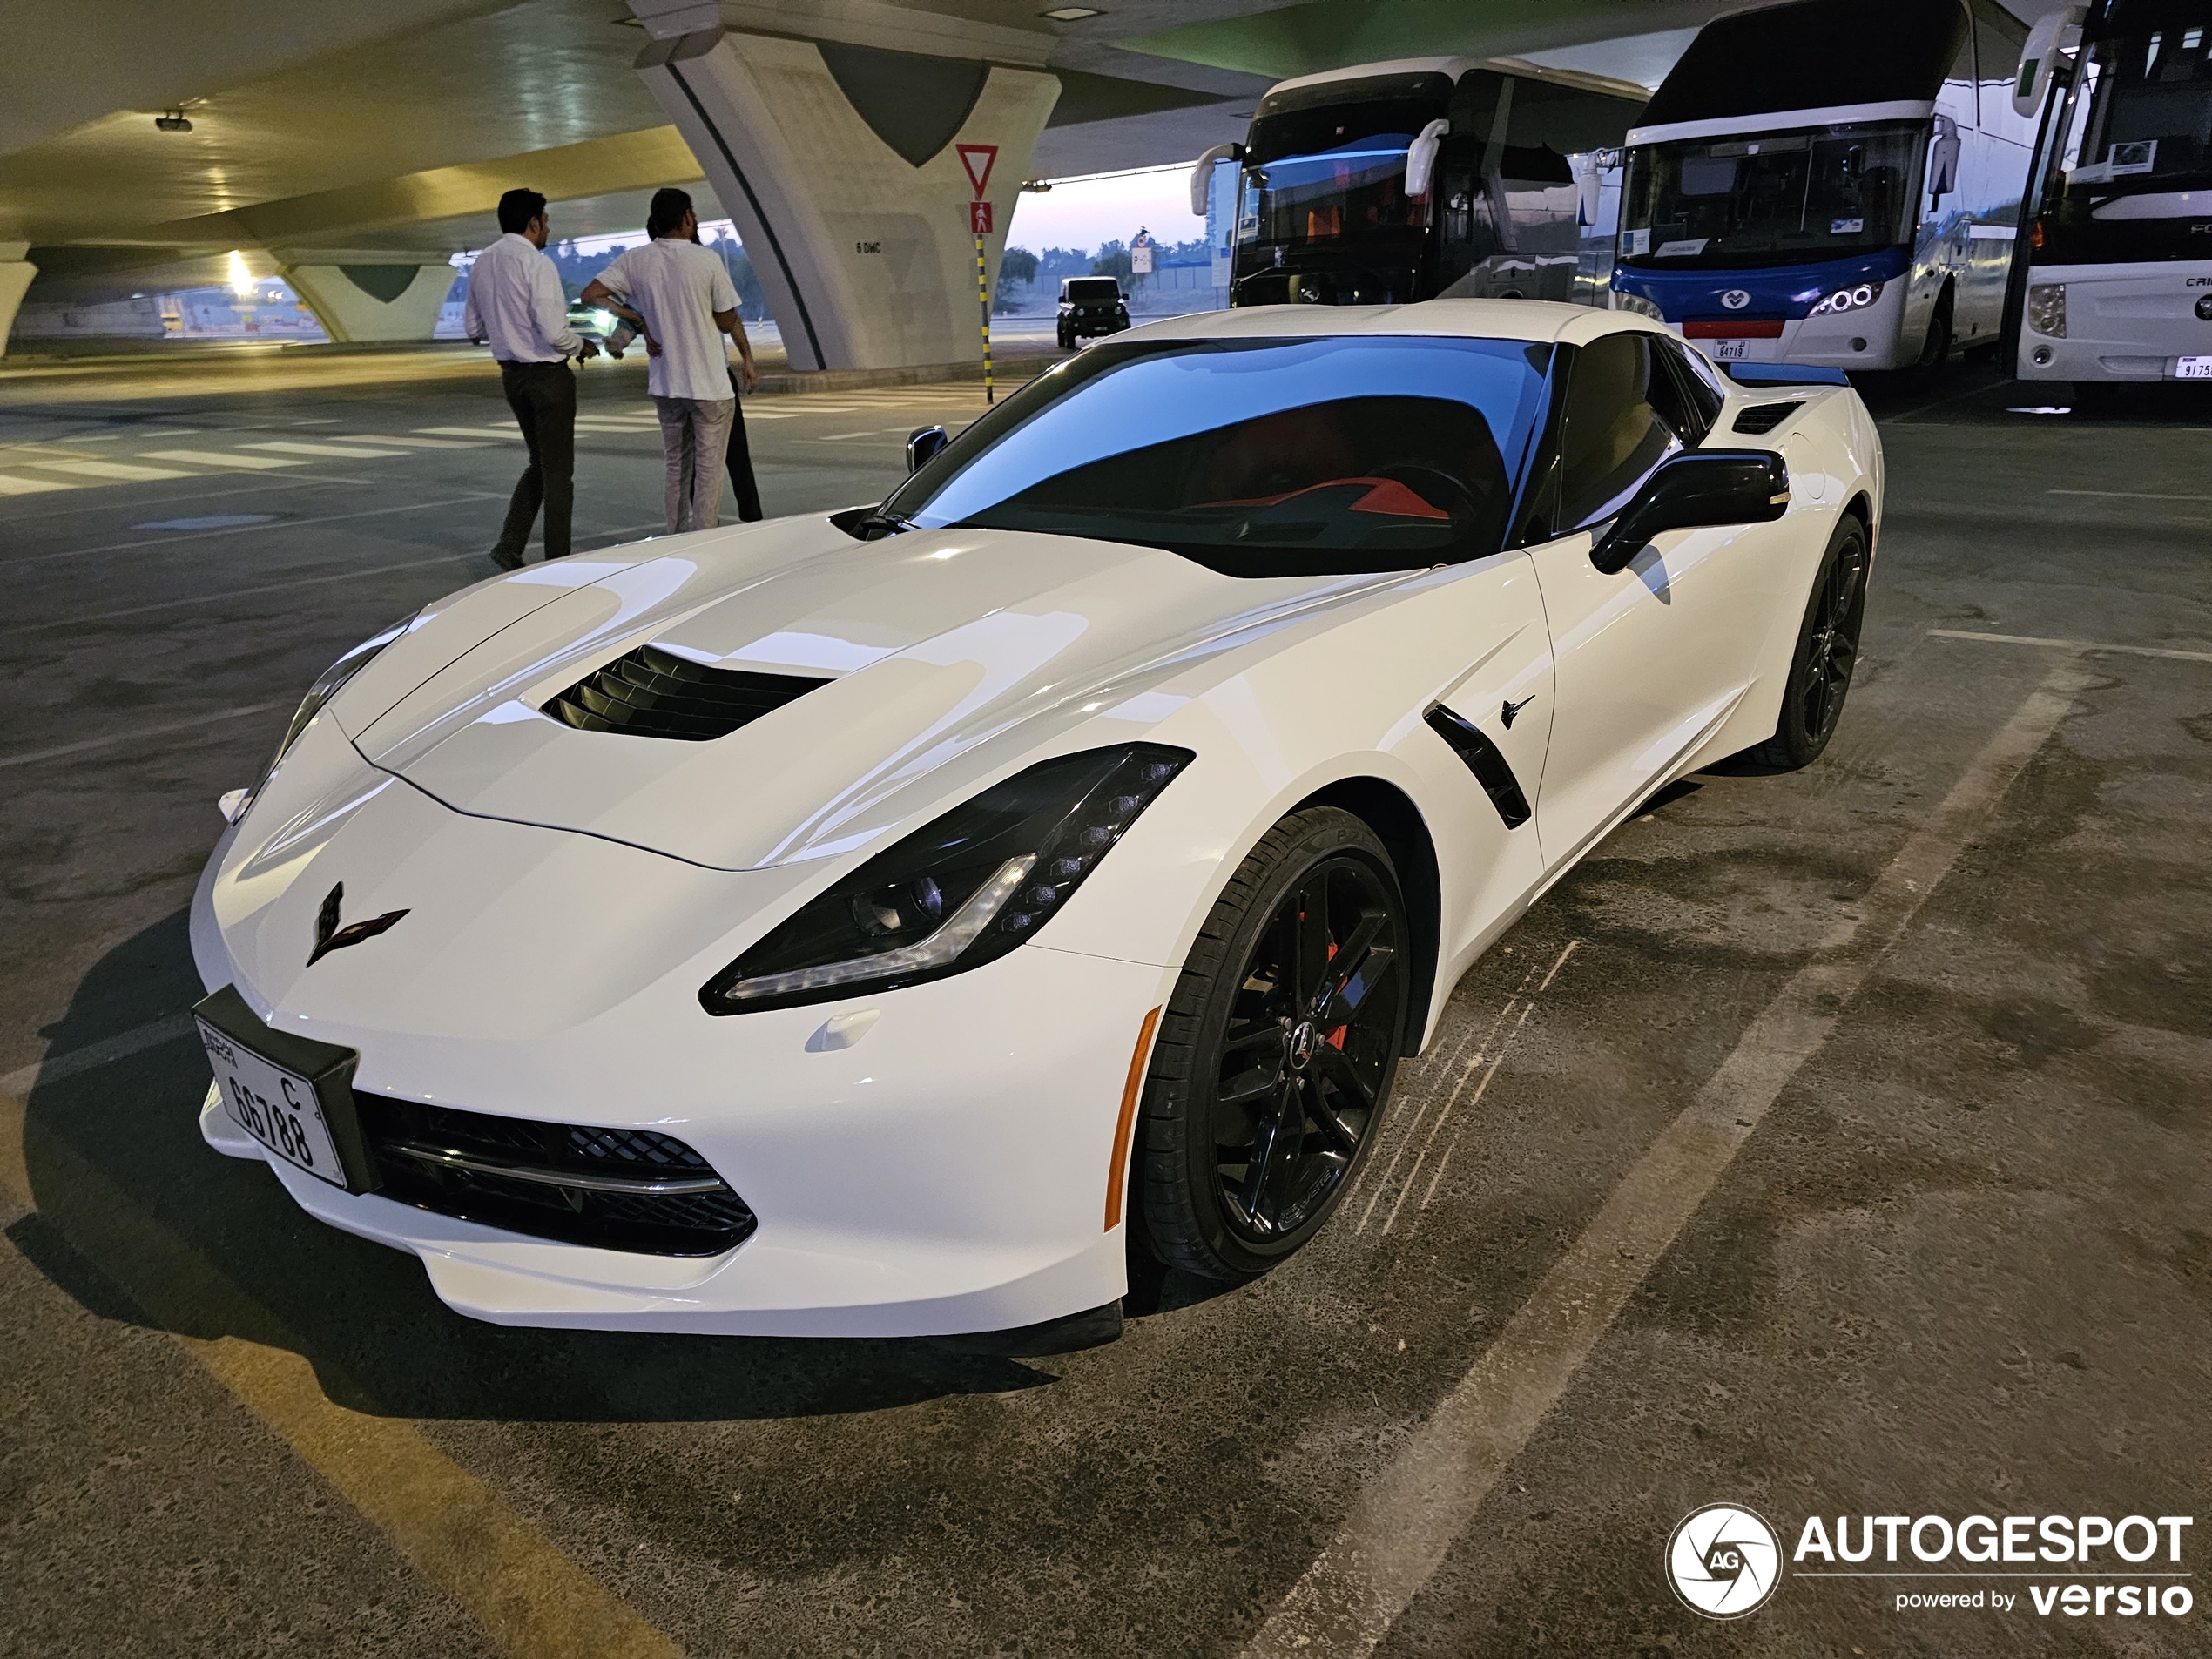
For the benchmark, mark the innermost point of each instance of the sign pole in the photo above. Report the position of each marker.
(977, 160)
(983, 297)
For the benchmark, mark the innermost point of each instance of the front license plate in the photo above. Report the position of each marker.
(276, 1107)
(1730, 351)
(2192, 368)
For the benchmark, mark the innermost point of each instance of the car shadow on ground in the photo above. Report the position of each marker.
(139, 1221)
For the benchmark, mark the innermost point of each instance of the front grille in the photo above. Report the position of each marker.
(652, 693)
(629, 1189)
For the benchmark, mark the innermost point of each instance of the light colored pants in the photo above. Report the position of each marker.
(695, 433)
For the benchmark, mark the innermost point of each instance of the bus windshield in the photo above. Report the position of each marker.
(1346, 194)
(2140, 119)
(1777, 199)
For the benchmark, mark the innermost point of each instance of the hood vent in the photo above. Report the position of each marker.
(652, 693)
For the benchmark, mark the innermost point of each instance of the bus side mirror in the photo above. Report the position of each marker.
(1201, 174)
(922, 445)
(1693, 490)
(1420, 157)
(2040, 58)
(1943, 160)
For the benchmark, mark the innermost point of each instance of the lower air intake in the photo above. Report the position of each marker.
(617, 1189)
(652, 693)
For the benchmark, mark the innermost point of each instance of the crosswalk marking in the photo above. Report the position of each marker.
(216, 458)
(12, 484)
(477, 432)
(422, 443)
(109, 469)
(344, 452)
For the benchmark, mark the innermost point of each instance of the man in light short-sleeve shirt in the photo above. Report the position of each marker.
(685, 296)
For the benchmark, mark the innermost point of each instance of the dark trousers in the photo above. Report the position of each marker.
(542, 396)
(740, 467)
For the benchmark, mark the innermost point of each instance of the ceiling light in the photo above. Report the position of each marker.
(1070, 14)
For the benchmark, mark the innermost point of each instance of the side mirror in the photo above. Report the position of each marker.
(1420, 159)
(1696, 490)
(1201, 174)
(922, 445)
(1943, 160)
(2040, 58)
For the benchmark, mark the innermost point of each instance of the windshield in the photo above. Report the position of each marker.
(1090, 290)
(1255, 457)
(2140, 116)
(1779, 198)
(1346, 194)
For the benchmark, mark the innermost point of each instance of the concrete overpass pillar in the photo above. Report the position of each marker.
(370, 297)
(839, 166)
(16, 273)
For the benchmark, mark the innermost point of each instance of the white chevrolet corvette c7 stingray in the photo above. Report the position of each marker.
(860, 924)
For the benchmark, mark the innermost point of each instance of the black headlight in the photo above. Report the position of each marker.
(328, 684)
(962, 890)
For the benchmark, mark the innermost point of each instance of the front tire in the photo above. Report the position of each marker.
(1277, 1054)
(1826, 654)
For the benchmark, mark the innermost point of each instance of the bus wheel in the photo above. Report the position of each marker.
(1937, 347)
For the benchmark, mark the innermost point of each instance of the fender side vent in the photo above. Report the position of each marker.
(652, 693)
(1764, 417)
(1485, 761)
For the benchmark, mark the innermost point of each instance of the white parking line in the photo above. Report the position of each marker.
(2071, 644)
(1412, 1512)
(132, 736)
(2125, 495)
(54, 1067)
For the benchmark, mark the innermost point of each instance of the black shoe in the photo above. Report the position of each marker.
(506, 561)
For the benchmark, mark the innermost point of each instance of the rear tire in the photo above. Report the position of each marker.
(1826, 654)
(1277, 1054)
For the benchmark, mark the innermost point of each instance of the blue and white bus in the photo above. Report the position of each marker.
(2116, 283)
(1832, 182)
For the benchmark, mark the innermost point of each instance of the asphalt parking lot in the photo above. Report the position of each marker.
(1833, 1143)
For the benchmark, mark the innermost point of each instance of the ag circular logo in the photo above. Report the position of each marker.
(1736, 299)
(1724, 1560)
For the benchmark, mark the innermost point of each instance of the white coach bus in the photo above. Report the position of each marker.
(2114, 282)
(1832, 182)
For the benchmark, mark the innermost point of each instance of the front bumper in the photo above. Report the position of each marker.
(2125, 323)
(1862, 340)
(946, 1172)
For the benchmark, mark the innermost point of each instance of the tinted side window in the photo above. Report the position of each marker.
(1702, 397)
(1616, 427)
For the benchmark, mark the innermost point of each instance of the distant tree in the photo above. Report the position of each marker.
(1113, 261)
(1017, 268)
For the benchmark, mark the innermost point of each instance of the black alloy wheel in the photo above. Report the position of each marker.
(1277, 1054)
(1827, 652)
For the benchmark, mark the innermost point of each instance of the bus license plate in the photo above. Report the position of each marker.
(1730, 351)
(276, 1107)
(2192, 368)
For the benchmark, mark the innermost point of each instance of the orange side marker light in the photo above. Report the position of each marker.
(1119, 1168)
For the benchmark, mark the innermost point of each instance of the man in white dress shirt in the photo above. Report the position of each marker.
(688, 302)
(515, 304)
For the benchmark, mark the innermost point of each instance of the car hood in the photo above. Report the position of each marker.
(945, 657)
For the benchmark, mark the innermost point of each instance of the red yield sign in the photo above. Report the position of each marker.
(978, 158)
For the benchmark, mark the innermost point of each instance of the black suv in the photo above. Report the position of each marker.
(1091, 305)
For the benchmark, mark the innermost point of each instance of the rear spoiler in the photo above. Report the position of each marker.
(1784, 374)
